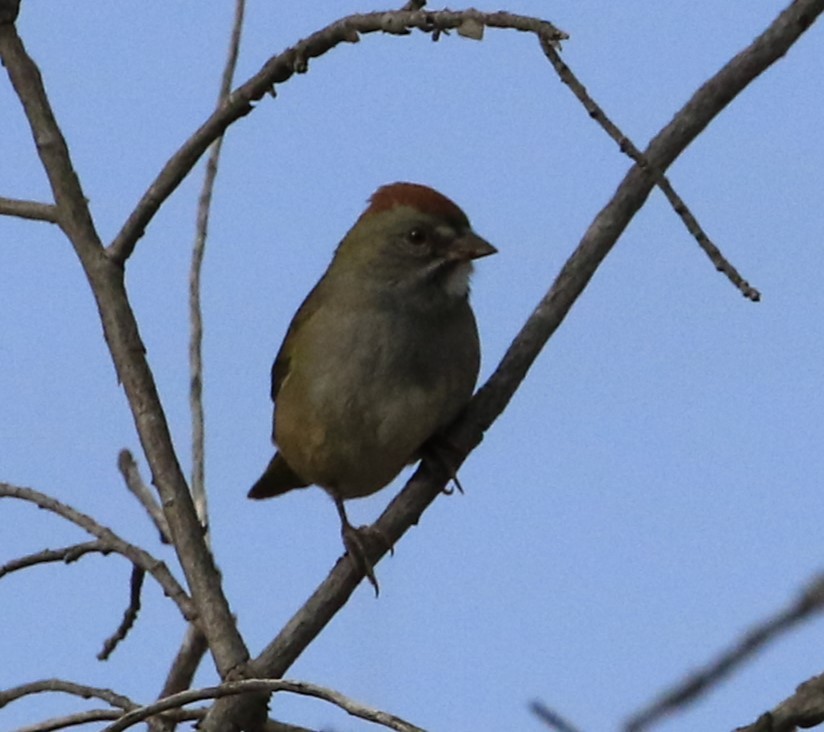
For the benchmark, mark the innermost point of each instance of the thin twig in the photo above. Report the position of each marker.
(33, 210)
(425, 485)
(279, 69)
(71, 720)
(628, 148)
(809, 603)
(129, 616)
(551, 718)
(134, 554)
(100, 715)
(67, 554)
(198, 484)
(127, 466)
(268, 686)
(67, 687)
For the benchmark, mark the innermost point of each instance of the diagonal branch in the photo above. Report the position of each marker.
(626, 145)
(492, 398)
(129, 616)
(279, 69)
(137, 556)
(551, 718)
(809, 603)
(134, 482)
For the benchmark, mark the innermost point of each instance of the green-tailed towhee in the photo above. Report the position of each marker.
(382, 354)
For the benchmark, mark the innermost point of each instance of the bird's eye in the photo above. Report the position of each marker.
(416, 236)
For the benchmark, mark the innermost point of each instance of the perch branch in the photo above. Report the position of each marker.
(804, 709)
(405, 510)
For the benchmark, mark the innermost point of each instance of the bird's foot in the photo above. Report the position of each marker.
(357, 541)
(440, 449)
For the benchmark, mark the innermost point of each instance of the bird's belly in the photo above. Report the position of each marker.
(363, 406)
(357, 444)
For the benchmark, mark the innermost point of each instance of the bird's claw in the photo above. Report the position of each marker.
(439, 449)
(356, 541)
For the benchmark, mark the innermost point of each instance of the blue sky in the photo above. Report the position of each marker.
(653, 489)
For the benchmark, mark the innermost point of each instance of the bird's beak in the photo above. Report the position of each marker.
(470, 246)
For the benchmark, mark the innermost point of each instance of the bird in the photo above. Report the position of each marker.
(381, 356)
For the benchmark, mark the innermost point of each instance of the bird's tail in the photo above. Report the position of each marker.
(278, 478)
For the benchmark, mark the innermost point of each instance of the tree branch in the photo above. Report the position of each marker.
(204, 203)
(804, 709)
(627, 147)
(67, 687)
(32, 210)
(551, 718)
(492, 398)
(268, 686)
(129, 616)
(106, 277)
(134, 482)
(809, 603)
(137, 556)
(67, 554)
(279, 69)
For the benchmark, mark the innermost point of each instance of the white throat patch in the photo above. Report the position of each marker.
(457, 282)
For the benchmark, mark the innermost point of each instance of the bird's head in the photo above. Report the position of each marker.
(413, 241)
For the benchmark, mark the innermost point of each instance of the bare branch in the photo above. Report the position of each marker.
(264, 685)
(804, 709)
(427, 482)
(204, 203)
(185, 664)
(32, 210)
(107, 280)
(71, 720)
(67, 554)
(628, 148)
(98, 715)
(134, 482)
(139, 557)
(67, 687)
(279, 69)
(809, 603)
(129, 616)
(551, 718)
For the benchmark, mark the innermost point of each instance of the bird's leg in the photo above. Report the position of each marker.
(438, 447)
(354, 541)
